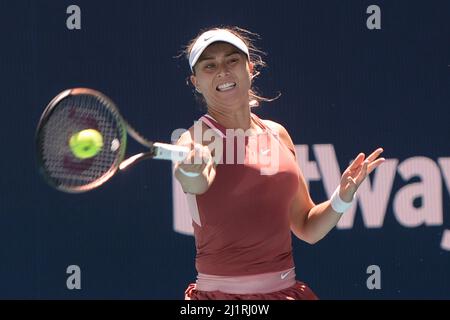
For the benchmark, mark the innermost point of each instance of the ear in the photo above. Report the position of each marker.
(194, 83)
(193, 80)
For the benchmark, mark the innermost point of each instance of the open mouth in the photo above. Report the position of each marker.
(226, 86)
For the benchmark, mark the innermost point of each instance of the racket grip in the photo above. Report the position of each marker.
(164, 151)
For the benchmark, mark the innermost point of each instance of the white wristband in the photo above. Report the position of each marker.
(338, 204)
(188, 173)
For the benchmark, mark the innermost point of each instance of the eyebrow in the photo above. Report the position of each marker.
(202, 58)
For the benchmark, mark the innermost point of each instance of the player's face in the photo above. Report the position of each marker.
(223, 75)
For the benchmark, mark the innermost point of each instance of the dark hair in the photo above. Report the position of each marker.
(255, 57)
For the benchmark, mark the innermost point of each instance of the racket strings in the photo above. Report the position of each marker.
(73, 114)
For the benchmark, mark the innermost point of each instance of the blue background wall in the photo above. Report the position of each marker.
(341, 84)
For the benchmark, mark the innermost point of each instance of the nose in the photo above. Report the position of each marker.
(223, 70)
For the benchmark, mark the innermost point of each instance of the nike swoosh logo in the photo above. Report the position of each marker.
(265, 152)
(206, 39)
(285, 274)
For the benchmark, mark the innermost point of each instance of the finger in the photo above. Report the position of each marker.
(375, 154)
(198, 154)
(357, 162)
(352, 172)
(375, 164)
(351, 180)
(348, 180)
(356, 169)
(207, 157)
(188, 158)
(362, 174)
(198, 148)
(344, 180)
(351, 183)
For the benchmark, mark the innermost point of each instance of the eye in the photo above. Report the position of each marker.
(233, 60)
(210, 66)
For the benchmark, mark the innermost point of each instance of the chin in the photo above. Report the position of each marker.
(234, 96)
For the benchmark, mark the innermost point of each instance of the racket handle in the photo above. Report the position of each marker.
(172, 152)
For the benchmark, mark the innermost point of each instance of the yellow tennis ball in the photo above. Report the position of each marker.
(86, 143)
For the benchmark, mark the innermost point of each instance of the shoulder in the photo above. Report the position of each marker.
(279, 129)
(275, 125)
(282, 132)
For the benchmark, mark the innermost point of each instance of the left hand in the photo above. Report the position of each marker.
(355, 174)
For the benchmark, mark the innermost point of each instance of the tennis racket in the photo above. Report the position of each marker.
(77, 109)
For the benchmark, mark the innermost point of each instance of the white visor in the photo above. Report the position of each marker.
(215, 36)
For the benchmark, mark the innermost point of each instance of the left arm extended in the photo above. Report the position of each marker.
(311, 222)
(314, 224)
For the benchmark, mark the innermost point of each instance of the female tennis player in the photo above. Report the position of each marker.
(243, 217)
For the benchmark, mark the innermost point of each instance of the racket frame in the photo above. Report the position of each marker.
(46, 115)
(157, 150)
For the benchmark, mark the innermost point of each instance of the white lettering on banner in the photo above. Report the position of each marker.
(373, 200)
(429, 190)
(444, 163)
(373, 195)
